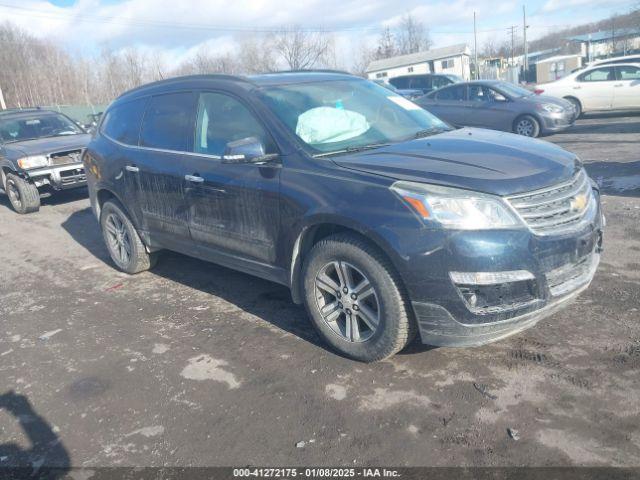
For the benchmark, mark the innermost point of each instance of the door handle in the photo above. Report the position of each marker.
(577, 88)
(618, 85)
(194, 179)
(132, 168)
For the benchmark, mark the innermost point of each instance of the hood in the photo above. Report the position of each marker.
(474, 159)
(45, 146)
(561, 102)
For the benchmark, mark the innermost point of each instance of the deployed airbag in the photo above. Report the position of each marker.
(329, 125)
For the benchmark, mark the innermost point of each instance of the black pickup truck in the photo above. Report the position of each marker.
(40, 153)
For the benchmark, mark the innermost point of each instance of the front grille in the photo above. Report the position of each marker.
(555, 209)
(65, 158)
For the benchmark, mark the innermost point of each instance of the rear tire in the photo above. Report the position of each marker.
(576, 104)
(24, 196)
(356, 300)
(527, 126)
(123, 242)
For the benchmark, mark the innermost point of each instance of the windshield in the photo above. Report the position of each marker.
(346, 115)
(386, 85)
(455, 78)
(513, 90)
(39, 125)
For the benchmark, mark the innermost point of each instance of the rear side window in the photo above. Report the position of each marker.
(400, 82)
(122, 122)
(456, 93)
(604, 74)
(439, 82)
(628, 72)
(168, 122)
(421, 83)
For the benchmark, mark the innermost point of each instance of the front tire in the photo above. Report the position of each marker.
(123, 242)
(576, 104)
(24, 196)
(527, 126)
(356, 300)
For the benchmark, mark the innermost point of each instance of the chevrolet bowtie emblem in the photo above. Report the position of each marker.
(578, 203)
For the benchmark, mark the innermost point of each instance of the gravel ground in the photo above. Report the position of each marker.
(194, 364)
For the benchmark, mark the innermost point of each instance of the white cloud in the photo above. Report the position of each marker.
(177, 29)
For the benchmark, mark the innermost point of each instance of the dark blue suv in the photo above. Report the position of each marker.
(379, 217)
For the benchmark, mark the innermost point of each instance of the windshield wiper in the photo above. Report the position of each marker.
(430, 131)
(359, 148)
(60, 135)
(362, 148)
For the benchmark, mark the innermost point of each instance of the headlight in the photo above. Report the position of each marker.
(35, 161)
(549, 107)
(455, 208)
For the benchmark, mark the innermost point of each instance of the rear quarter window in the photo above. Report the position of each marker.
(169, 122)
(122, 122)
(400, 82)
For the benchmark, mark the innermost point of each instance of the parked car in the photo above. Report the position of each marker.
(425, 83)
(599, 88)
(410, 94)
(499, 106)
(616, 60)
(379, 217)
(40, 153)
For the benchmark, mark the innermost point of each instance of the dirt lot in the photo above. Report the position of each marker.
(194, 364)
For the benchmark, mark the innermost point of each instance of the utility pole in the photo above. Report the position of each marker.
(613, 37)
(513, 32)
(475, 48)
(524, 34)
(3, 106)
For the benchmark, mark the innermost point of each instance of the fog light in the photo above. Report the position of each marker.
(490, 278)
(472, 299)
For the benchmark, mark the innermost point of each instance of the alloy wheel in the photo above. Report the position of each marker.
(347, 301)
(525, 127)
(14, 194)
(118, 238)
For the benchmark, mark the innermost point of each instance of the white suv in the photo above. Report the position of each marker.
(599, 88)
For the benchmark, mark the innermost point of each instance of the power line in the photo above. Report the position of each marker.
(85, 17)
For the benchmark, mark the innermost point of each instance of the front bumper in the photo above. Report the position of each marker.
(454, 314)
(439, 328)
(556, 122)
(62, 177)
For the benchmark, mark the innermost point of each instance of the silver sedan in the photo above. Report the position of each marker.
(499, 106)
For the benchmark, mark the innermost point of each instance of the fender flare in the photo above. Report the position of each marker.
(305, 232)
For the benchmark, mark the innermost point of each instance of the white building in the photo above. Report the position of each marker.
(608, 43)
(453, 60)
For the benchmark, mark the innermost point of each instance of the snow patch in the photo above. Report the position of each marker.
(160, 348)
(48, 335)
(337, 392)
(205, 367)
(148, 431)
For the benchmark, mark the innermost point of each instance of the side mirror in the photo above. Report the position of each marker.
(246, 150)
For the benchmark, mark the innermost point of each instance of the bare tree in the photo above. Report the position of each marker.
(490, 48)
(300, 50)
(362, 60)
(412, 35)
(387, 47)
(257, 55)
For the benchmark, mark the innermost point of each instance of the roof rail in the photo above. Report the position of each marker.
(16, 110)
(221, 76)
(311, 70)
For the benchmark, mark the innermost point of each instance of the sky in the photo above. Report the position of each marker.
(178, 28)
